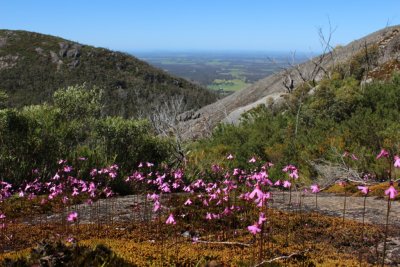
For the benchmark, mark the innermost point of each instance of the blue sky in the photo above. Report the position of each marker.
(182, 25)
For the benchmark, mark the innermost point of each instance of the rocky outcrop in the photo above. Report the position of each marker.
(74, 63)
(40, 51)
(54, 57)
(230, 108)
(3, 41)
(9, 61)
(56, 60)
(74, 51)
(70, 51)
(63, 49)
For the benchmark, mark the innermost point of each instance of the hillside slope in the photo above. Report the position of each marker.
(33, 66)
(384, 57)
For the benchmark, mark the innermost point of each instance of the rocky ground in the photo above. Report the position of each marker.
(135, 208)
(333, 205)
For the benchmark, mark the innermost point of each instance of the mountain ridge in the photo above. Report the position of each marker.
(34, 65)
(386, 43)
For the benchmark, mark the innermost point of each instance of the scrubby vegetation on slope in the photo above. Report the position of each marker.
(339, 114)
(33, 66)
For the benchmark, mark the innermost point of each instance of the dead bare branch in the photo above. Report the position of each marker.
(224, 243)
(165, 120)
(282, 257)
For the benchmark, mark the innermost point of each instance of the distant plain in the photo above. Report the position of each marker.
(225, 72)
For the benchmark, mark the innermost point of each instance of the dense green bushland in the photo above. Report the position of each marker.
(337, 115)
(36, 137)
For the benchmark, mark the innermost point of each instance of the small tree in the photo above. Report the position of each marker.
(78, 102)
(165, 120)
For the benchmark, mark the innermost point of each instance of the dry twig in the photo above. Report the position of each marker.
(282, 257)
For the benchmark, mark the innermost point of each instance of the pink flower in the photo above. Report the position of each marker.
(230, 157)
(188, 202)
(252, 160)
(157, 205)
(257, 192)
(208, 216)
(170, 219)
(364, 189)
(93, 172)
(2, 216)
(354, 157)
(72, 217)
(254, 229)
(71, 239)
(294, 174)
(397, 161)
(187, 188)
(149, 164)
(65, 199)
(67, 168)
(287, 184)
(292, 170)
(261, 218)
(75, 192)
(391, 192)
(278, 183)
(226, 211)
(289, 168)
(383, 154)
(314, 188)
(347, 154)
(153, 196)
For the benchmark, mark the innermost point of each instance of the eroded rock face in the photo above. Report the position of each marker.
(69, 50)
(8, 61)
(390, 46)
(54, 57)
(74, 63)
(40, 51)
(63, 49)
(74, 51)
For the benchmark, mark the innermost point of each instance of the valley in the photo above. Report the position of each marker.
(224, 72)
